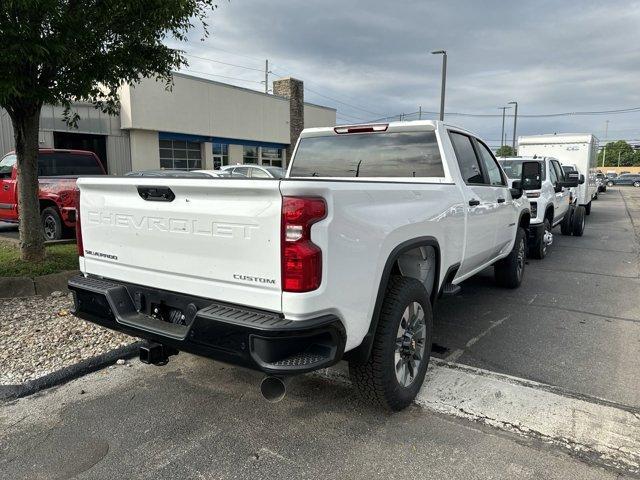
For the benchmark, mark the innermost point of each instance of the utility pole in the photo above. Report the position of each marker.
(515, 125)
(502, 134)
(266, 76)
(444, 79)
(420, 112)
(606, 135)
(619, 158)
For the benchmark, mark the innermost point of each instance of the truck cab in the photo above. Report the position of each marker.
(58, 171)
(551, 205)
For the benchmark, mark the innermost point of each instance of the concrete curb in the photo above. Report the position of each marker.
(11, 287)
(66, 374)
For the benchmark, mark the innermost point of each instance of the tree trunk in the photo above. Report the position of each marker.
(26, 123)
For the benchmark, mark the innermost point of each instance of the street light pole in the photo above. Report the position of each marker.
(515, 125)
(502, 134)
(444, 79)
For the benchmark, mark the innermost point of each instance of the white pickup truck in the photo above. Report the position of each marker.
(553, 204)
(341, 259)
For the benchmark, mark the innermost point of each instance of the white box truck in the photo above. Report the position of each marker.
(579, 149)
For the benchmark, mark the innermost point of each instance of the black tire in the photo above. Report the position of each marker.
(509, 271)
(609, 183)
(636, 184)
(51, 224)
(587, 209)
(578, 221)
(595, 197)
(604, 189)
(539, 248)
(376, 380)
(566, 226)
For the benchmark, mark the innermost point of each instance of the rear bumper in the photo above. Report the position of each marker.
(233, 334)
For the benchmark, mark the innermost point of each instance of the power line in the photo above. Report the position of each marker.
(221, 76)
(224, 63)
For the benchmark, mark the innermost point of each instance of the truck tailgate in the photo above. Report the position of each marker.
(218, 238)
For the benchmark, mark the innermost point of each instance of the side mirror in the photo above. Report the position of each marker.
(516, 189)
(531, 176)
(573, 179)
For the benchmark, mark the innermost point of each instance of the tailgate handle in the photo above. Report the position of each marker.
(156, 194)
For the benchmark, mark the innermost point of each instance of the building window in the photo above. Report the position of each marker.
(250, 155)
(180, 155)
(220, 155)
(271, 156)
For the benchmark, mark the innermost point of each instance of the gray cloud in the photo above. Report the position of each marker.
(550, 56)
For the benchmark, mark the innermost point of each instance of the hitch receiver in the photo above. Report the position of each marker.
(156, 353)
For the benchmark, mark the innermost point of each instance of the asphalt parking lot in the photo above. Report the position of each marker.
(574, 325)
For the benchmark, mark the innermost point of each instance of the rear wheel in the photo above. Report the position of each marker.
(395, 370)
(587, 208)
(578, 221)
(509, 271)
(51, 224)
(609, 183)
(636, 184)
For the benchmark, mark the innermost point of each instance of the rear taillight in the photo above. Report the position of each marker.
(79, 228)
(301, 258)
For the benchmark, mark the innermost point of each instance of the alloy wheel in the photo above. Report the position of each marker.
(410, 344)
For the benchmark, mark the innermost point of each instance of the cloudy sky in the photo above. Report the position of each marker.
(369, 59)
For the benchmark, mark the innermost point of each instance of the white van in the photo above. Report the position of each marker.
(579, 149)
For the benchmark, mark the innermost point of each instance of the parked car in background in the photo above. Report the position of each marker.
(580, 150)
(601, 182)
(551, 205)
(344, 258)
(57, 174)
(625, 179)
(253, 171)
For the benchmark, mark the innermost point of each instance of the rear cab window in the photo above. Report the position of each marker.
(56, 164)
(400, 154)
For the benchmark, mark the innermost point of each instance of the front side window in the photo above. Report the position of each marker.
(558, 169)
(250, 155)
(6, 165)
(490, 165)
(467, 160)
(240, 172)
(180, 155)
(259, 173)
(553, 176)
(398, 154)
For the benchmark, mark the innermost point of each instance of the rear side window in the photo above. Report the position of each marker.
(398, 154)
(467, 160)
(59, 164)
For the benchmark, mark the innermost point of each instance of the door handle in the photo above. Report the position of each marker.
(501, 200)
(474, 203)
(5, 187)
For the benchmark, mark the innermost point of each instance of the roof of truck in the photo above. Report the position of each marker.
(557, 138)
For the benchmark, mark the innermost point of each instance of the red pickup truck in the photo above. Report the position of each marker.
(57, 174)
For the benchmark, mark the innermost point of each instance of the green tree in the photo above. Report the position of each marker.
(505, 151)
(61, 51)
(619, 151)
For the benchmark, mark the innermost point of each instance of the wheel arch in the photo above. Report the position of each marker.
(361, 353)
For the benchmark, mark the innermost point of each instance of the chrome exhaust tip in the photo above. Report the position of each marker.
(273, 389)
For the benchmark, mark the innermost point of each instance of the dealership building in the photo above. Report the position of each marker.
(199, 123)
